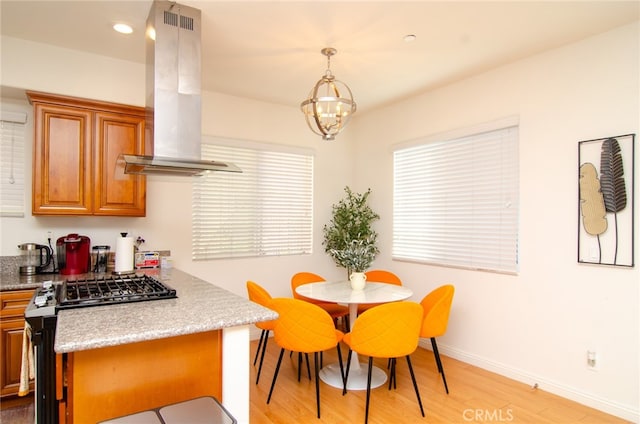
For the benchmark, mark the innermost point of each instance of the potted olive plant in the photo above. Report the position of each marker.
(349, 238)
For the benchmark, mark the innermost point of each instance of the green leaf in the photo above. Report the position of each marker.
(351, 222)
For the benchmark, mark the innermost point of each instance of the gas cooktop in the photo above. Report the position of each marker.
(111, 290)
(101, 290)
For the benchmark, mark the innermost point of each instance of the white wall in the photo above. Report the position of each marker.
(536, 326)
(168, 221)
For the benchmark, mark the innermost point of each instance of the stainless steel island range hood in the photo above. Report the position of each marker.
(173, 74)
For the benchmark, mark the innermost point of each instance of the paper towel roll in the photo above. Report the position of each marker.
(124, 254)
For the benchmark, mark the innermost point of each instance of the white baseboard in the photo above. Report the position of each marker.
(550, 386)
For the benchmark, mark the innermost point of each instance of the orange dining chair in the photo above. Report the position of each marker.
(391, 330)
(335, 310)
(379, 276)
(437, 306)
(259, 295)
(304, 327)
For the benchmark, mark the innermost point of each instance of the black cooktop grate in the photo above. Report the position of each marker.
(112, 290)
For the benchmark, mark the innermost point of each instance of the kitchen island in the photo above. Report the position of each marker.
(119, 359)
(199, 307)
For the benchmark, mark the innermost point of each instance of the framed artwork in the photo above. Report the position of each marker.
(605, 211)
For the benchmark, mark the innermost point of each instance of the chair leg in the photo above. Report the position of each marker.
(439, 362)
(259, 346)
(346, 374)
(300, 365)
(264, 349)
(317, 375)
(366, 410)
(340, 361)
(275, 375)
(392, 373)
(415, 384)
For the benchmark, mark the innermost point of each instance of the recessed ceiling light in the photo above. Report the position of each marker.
(409, 38)
(123, 28)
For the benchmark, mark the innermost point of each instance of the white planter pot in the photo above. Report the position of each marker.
(358, 280)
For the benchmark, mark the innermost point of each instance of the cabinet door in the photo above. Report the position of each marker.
(12, 331)
(12, 305)
(117, 193)
(62, 161)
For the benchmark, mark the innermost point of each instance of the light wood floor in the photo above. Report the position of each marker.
(475, 396)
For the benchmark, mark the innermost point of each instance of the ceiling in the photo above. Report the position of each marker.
(270, 50)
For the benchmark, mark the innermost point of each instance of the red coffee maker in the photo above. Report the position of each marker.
(73, 254)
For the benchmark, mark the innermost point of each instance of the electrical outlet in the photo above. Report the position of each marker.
(592, 360)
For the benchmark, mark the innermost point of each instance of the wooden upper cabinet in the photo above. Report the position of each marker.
(117, 194)
(62, 160)
(76, 147)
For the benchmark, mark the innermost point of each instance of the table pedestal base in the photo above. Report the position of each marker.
(357, 376)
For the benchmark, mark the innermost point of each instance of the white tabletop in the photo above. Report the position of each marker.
(341, 292)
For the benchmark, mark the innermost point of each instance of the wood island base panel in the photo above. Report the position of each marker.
(119, 380)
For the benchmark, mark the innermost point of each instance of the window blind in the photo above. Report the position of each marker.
(12, 139)
(456, 201)
(267, 210)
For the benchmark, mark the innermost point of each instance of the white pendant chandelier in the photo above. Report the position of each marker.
(326, 110)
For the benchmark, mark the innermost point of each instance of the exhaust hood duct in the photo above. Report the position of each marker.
(173, 69)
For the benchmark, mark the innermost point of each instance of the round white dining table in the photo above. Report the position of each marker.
(341, 292)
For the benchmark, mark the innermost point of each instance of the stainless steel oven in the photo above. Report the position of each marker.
(50, 298)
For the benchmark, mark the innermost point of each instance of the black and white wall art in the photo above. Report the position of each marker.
(605, 212)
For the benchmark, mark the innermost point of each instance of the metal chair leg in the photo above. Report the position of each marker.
(346, 373)
(392, 373)
(317, 375)
(275, 375)
(340, 361)
(259, 346)
(439, 363)
(300, 365)
(366, 411)
(264, 349)
(415, 384)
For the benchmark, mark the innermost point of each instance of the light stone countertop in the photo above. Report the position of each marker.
(199, 307)
(10, 279)
(27, 282)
